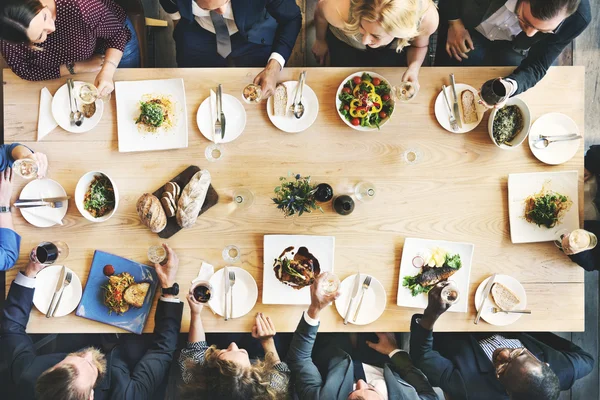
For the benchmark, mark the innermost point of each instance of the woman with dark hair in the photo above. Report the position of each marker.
(231, 374)
(47, 39)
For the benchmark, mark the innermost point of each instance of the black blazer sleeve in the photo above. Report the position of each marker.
(17, 346)
(589, 259)
(439, 370)
(413, 376)
(592, 160)
(170, 6)
(450, 9)
(154, 366)
(289, 22)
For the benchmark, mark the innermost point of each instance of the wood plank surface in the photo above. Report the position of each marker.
(458, 191)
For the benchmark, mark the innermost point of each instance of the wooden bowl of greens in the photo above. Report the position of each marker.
(509, 126)
(96, 196)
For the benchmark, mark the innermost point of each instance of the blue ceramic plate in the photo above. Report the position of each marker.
(92, 303)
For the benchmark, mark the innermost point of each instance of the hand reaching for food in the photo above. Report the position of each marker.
(267, 78)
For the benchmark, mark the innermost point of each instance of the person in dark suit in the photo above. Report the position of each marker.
(88, 374)
(337, 371)
(528, 33)
(504, 366)
(219, 33)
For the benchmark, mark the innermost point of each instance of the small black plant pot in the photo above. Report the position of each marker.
(343, 205)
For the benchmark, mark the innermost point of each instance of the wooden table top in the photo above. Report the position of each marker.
(457, 192)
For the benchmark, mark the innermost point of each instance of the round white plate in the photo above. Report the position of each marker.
(373, 304)
(235, 119)
(46, 285)
(245, 292)
(338, 102)
(289, 123)
(501, 319)
(62, 112)
(554, 124)
(43, 217)
(441, 109)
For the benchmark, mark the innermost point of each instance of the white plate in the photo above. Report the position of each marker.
(501, 319)
(275, 292)
(338, 102)
(521, 186)
(129, 95)
(235, 119)
(46, 285)
(462, 277)
(441, 109)
(245, 292)
(289, 123)
(373, 304)
(43, 217)
(62, 112)
(554, 124)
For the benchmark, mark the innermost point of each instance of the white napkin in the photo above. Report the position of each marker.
(206, 271)
(213, 113)
(46, 122)
(50, 218)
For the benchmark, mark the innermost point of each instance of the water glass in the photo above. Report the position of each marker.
(231, 254)
(214, 152)
(450, 293)
(157, 254)
(330, 283)
(412, 156)
(243, 198)
(405, 92)
(365, 191)
(48, 253)
(252, 94)
(25, 168)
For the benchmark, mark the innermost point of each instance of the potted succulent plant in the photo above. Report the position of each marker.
(296, 196)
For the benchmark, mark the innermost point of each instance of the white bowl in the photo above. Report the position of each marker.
(338, 102)
(518, 140)
(83, 186)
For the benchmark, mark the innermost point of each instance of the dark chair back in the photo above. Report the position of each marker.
(135, 12)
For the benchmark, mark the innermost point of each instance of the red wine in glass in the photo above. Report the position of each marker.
(202, 292)
(50, 252)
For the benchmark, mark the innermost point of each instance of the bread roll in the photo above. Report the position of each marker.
(467, 98)
(505, 298)
(192, 198)
(136, 293)
(151, 212)
(280, 101)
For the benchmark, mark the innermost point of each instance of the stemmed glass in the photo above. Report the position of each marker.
(405, 92)
(25, 168)
(330, 284)
(87, 93)
(365, 191)
(231, 253)
(243, 198)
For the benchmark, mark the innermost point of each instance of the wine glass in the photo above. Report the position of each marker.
(243, 198)
(231, 254)
(405, 92)
(412, 156)
(87, 93)
(365, 191)
(48, 253)
(450, 292)
(252, 93)
(157, 254)
(201, 291)
(214, 152)
(25, 168)
(330, 283)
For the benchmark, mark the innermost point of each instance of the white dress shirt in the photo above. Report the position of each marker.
(203, 19)
(501, 25)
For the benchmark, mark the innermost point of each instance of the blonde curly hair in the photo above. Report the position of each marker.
(400, 18)
(225, 380)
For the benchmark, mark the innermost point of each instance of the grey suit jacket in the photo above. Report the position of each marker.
(333, 379)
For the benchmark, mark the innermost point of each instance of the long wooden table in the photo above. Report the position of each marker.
(457, 192)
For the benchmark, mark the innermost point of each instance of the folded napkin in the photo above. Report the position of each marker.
(45, 216)
(213, 113)
(46, 122)
(206, 271)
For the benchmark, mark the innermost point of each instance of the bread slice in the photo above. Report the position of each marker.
(171, 188)
(505, 298)
(467, 98)
(135, 294)
(280, 101)
(168, 205)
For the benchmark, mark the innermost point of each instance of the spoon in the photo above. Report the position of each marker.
(76, 116)
(298, 109)
(542, 143)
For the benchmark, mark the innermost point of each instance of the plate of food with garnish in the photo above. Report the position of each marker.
(291, 264)
(151, 115)
(542, 204)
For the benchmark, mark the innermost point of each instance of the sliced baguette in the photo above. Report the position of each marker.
(505, 298)
(135, 294)
(467, 98)
(280, 101)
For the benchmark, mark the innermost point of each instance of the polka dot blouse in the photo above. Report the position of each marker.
(83, 28)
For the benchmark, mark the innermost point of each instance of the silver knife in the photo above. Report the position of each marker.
(48, 200)
(456, 109)
(220, 110)
(226, 287)
(57, 290)
(485, 294)
(354, 293)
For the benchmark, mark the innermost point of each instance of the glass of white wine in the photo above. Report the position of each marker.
(25, 168)
(157, 254)
(87, 93)
(330, 283)
(405, 92)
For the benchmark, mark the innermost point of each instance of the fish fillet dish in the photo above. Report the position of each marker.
(436, 266)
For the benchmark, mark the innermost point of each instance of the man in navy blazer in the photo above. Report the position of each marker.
(494, 366)
(87, 374)
(240, 33)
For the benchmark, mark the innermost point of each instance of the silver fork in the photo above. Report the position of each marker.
(66, 283)
(218, 121)
(496, 310)
(453, 123)
(365, 286)
(231, 283)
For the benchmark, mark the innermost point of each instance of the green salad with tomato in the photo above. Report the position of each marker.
(366, 101)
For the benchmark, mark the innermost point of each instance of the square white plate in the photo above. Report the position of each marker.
(462, 277)
(129, 95)
(275, 292)
(521, 186)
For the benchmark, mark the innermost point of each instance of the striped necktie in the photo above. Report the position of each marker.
(222, 33)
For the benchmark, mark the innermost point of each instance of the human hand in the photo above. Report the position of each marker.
(412, 76)
(6, 187)
(33, 268)
(387, 343)
(318, 298)
(267, 78)
(167, 272)
(195, 307)
(320, 50)
(92, 64)
(263, 328)
(459, 41)
(42, 163)
(104, 82)
(436, 305)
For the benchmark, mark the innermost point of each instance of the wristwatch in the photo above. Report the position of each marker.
(5, 209)
(71, 68)
(174, 290)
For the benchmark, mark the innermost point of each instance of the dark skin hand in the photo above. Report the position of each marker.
(436, 306)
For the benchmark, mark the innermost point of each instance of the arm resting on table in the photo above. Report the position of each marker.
(10, 243)
(289, 22)
(413, 376)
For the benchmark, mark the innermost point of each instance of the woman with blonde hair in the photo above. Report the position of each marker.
(361, 33)
(230, 373)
